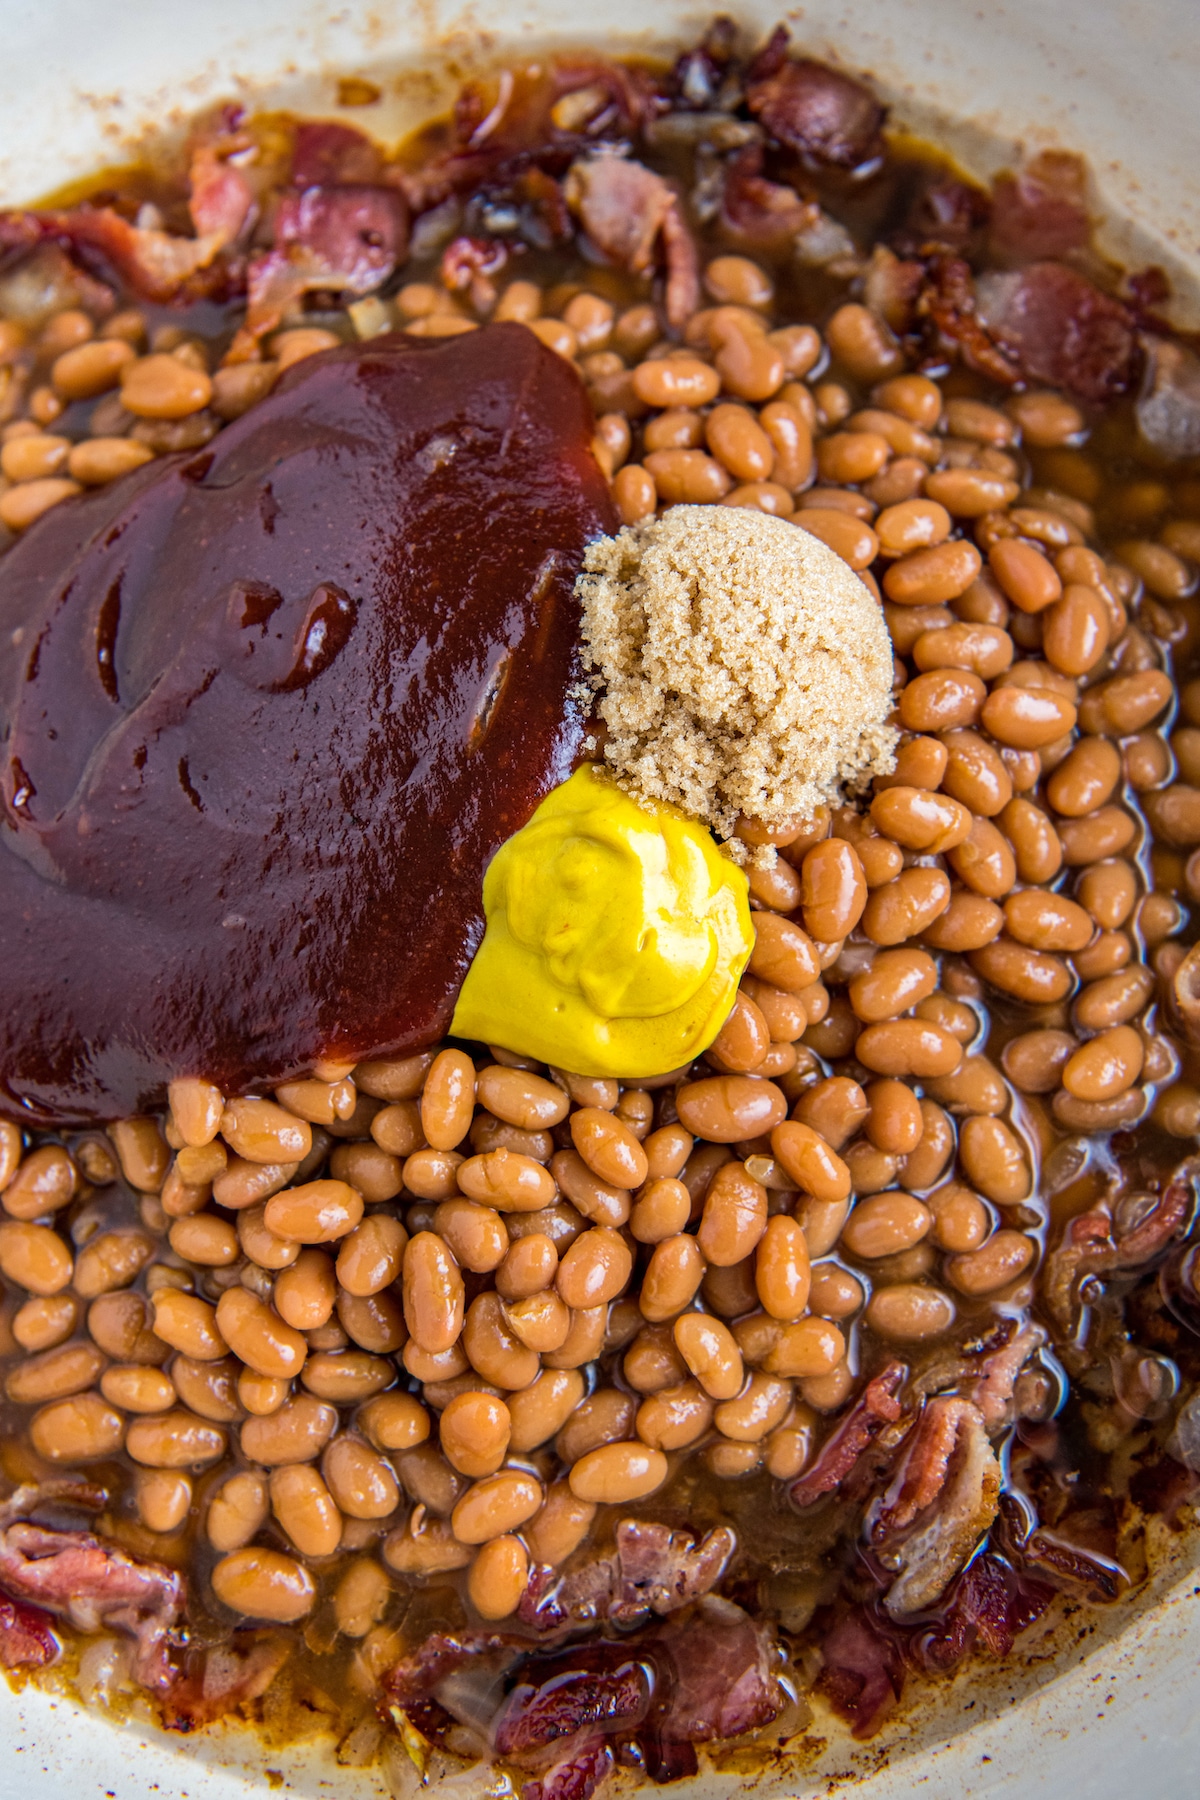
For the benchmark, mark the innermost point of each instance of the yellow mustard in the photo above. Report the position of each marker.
(616, 936)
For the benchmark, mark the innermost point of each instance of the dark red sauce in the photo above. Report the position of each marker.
(273, 707)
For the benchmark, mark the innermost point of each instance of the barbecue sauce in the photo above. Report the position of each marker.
(266, 712)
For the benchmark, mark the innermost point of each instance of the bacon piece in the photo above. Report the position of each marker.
(1041, 211)
(1060, 329)
(442, 1653)
(1094, 1244)
(592, 1688)
(625, 209)
(949, 1476)
(345, 239)
(862, 1673)
(573, 1777)
(1056, 1556)
(991, 1604)
(328, 154)
(654, 1570)
(26, 1640)
(468, 264)
(220, 197)
(682, 296)
(758, 212)
(722, 1684)
(948, 301)
(93, 1584)
(828, 118)
(155, 264)
(875, 1407)
(224, 1679)
(992, 1390)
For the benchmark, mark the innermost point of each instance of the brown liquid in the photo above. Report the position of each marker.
(272, 709)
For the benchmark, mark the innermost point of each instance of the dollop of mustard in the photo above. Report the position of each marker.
(616, 936)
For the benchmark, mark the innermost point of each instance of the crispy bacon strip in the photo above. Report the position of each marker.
(875, 1407)
(626, 210)
(949, 1478)
(224, 1679)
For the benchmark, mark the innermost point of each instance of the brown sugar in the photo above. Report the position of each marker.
(744, 669)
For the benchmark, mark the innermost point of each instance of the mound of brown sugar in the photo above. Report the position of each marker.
(744, 668)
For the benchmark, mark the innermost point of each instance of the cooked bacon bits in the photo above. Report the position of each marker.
(895, 1337)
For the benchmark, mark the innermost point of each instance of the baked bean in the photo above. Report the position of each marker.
(634, 493)
(614, 1474)
(734, 1216)
(560, 1526)
(662, 1208)
(975, 1087)
(528, 1267)
(396, 1078)
(371, 1256)
(908, 1314)
(674, 1417)
(911, 525)
(34, 457)
(687, 476)
(924, 1165)
(542, 1322)
(561, 1223)
(969, 922)
(671, 1277)
(785, 1014)
(833, 890)
(736, 438)
(961, 1221)
(1076, 630)
(894, 981)
(710, 1351)
(1027, 577)
(393, 1422)
(397, 1129)
(847, 457)
(941, 700)
(921, 821)
(498, 1577)
(23, 505)
(1035, 976)
(603, 1418)
(493, 1348)
(346, 1376)
(675, 381)
(845, 535)
(82, 1428)
(902, 908)
(1103, 833)
(834, 1109)
(1086, 778)
(1114, 999)
(884, 1224)
(993, 1160)
(1034, 1061)
(424, 1546)
(970, 493)
(984, 861)
(895, 1123)
(1104, 956)
(361, 1597)
(744, 1039)
(757, 1410)
(496, 1505)
(55, 1374)
(433, 1292)
(1047, 921)
(259, 1243)
(783, 954)
(541, 1409)
(163, 1498)
(432, 1174)
(505, 1179)
(1005, 1256)
(738, 281)
(376, 1173)
(262, 1132)
(244, 1186)
(257, 1334)
(521, 1098)
(41, 1323)
(44, 1181)
(208, 1386)
(608, 1147)
(920, 763)
(475, 1234)
(908, 1047)
(119, 1323)
(135, 1387)
(595, 1269)
(766, 496)
(1027, 718)
(1037, 848)
(862, 343)
(983, 650)
(360, 1483)
(260, 1394)
(782, 1268)
(374, 1322)
(725, 1109)
(790, 440)
(1106, 1065)
(932, 576)
(1126, 703)
(1099, 1115)
(912, 397)
(206, 1239)
(448, 1099)
(598, 1201)
(174, 1440)
(680, 428)
(975, 773)
(319, 1212)
(189, 1324)
(652, 1360)
(1165, 575)
(259, 1583)
(474, 1433)
(112, 1259)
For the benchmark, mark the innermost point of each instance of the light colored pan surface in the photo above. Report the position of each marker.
(1115, 1714)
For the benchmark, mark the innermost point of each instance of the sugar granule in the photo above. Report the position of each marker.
(743, 667)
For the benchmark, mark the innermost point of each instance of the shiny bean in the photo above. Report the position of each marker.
(885, 1224)
(496, 1505)
(984, 650)
(1035, 976)
(540, 1410)
(942, 700)
(261, 1244)
(1114, 999)
(595, 1269)
(259, 1583)
(908, 1314)
(394, 1422)
(993, 1160)
(174, 1440)
(371, 1256)
(1107, 1065)
(82, 1428)
(895, 1123)
(189, 1324)
(1076, 630)
(894, 981)
(374, 1322)
(448, 1099)
(34, 1257)
(433, 1292)
(662, 1208)
(930, 577)
(55, 1374)
(671, 1277)
(975, 774)
(44, 1181)
(845, 535)
(757, 1410)
(710, 1352)
(110, 1260)
(734, 1216)
(1027, 718)
(346, 1376)
(1035, 1060)
(1104, 833)
(833, 890)
(397, 1129)
(1037, 848)
(319, 1212)
(258, 1335)
(1047, 921)
(494, 1350)
(528, 1267)
(1005, 1256)
(919, 820)
(205, 1239)
(261, 1132)
(908, 1047)
(781, 1270)
(725, 1109)
(904, 907)
(360, 1483)
(135, 1387)
(41, 1323)
(924, 1165)
(615, 1474)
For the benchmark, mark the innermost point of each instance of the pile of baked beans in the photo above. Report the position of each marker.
(435, 1314)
